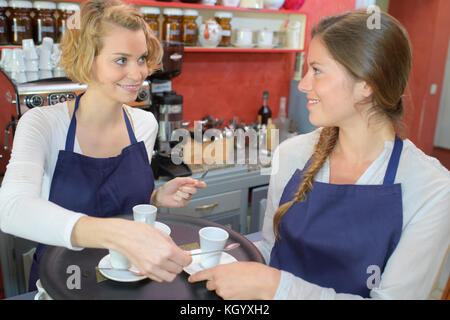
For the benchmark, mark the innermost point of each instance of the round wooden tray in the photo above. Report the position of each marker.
(56, 273)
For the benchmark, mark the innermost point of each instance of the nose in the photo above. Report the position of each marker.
(305, 84)
(138, 72)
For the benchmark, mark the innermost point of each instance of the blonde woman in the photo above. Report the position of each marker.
(354, 211)
(77, 164)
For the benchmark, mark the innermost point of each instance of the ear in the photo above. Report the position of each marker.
(363, 90)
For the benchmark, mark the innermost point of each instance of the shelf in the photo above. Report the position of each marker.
(178, 4)
(240, 50)
(215, 7)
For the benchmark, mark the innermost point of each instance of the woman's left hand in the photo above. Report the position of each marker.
(240, 280)
(176, 192)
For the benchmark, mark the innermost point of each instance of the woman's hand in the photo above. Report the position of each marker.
(151, 251)
(176, 192)
(240, 280)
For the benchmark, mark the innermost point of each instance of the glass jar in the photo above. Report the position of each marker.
(21, 25)
(4, 28)
(65, 11)
(189, 30)
(171, 30)
(44, 23)
(224, 20)
(151, 16)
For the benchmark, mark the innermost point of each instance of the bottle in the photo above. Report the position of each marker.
(189, 28)
(265, 112)
(271, 135)
(281, 123)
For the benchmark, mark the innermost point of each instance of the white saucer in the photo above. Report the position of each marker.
(163, 227)
(117, 275)
(243, 46)
(195, 266)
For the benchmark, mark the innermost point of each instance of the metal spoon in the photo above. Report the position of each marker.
(227, 248)
(203, 175)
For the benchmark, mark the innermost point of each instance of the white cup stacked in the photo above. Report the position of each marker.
(31, 60)
(58, 71)
(5, 62)
(18, 66)
(45, 62)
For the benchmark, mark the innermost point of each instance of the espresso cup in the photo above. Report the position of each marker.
(265, 38)
(212, 238)
(145, 213)
(118, 260)
(244, 37)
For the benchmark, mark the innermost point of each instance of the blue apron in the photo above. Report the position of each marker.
(341, 234)
(98, 187)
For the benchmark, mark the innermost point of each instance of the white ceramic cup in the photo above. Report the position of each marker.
(244, 37)
(45, 74)
(265, 38)
(230, 3)
(212, 238)
(118, 260)
(145, 213)
(44, 59)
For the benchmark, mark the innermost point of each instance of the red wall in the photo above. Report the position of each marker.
(231, 84)
(427, 22)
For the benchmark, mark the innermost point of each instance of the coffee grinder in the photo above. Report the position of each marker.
(167, 106)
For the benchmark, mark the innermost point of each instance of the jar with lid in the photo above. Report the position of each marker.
(224, 20)
(151, 16)
(189, 30)
(44, 22)
(20, 23)
(4, 27)
(171, 30)
(65, 11)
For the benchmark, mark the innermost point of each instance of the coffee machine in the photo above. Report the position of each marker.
(167, 106)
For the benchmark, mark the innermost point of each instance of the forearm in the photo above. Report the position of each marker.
(92, 232)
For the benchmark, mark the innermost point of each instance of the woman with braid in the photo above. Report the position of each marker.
(354, 211)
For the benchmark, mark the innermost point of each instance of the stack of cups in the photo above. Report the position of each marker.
(5, 62)
(18, 66)
(58, 71)
(45, 62)
(31, 60)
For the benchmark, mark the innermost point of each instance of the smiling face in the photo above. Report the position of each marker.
(331, 91)
(120, 67)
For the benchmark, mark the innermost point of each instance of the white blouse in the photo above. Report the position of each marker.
(414, 265)
(24, 207)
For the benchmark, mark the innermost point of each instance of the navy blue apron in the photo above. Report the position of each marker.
(341, 234)
(98, 187)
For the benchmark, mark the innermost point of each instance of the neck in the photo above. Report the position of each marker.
(97, 110)
(363, 143)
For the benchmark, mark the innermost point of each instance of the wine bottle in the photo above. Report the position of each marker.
(265, 112)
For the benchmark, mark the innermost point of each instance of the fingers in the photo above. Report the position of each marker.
(202, 275)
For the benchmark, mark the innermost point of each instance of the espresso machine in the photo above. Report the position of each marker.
(167, 106)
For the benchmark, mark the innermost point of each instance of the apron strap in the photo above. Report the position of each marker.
(391, 170)
(129, 128)
(70, 139)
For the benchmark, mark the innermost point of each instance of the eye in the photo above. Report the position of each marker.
(121, 61)
(316, 71)
(142, 59)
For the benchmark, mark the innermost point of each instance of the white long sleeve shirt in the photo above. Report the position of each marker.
(412, 268)
(24, 207)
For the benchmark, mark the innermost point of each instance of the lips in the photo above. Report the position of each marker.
(130, 88)
(313, 101)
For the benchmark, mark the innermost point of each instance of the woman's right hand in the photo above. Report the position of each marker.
(152, 251)
(149, 250)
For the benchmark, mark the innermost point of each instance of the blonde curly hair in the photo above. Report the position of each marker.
(80, 46)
